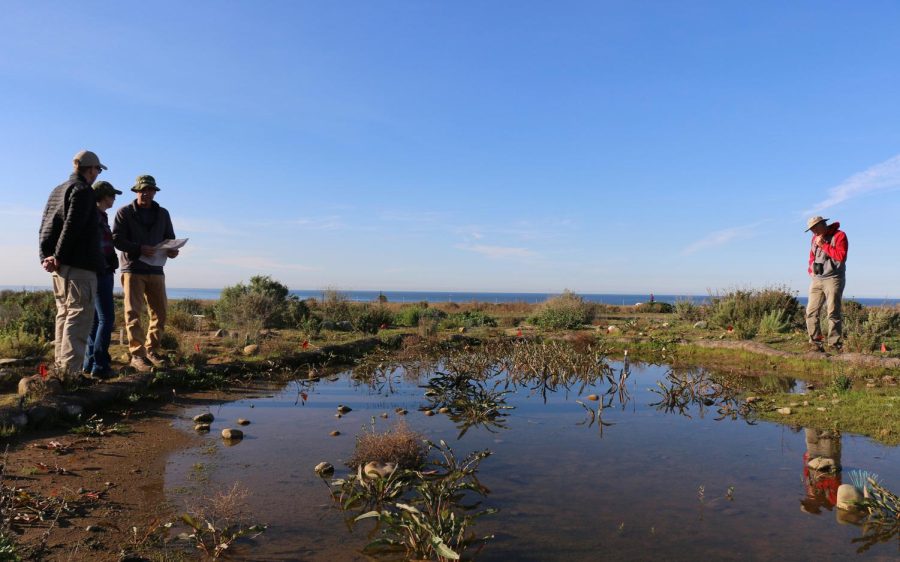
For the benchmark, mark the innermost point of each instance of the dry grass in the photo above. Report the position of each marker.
(399, 444)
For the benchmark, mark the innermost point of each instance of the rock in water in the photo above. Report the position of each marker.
(324, 469)
(784, 411)
(335, 433)
(593, 397)
(821, 464)
(201, 427)
(232, 434)
(375, 469)
(204, 418)
(242, 421)
(848, 496)
(344, 409)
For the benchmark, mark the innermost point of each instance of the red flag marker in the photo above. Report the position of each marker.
(197, 347)
(42, 371)
(305, 344)
(883, 348)
(519, 333)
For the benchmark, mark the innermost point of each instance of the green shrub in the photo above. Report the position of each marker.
(188, 306)
(566, 311)
(412, 315)
(368, 319)
(660, 307)
(264, 303)
(687, 310)
(335, 306)
(22, 344)
(32, 312)
(744, 309)
(180, 320)
(774, 322)
(469, 319)
(866, 327)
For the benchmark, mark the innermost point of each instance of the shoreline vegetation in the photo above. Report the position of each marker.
(258, 332)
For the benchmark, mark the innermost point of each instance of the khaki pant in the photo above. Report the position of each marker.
(828, 291)
(140, 288)
(74, 290)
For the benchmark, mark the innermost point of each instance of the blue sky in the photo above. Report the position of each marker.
(625, 147)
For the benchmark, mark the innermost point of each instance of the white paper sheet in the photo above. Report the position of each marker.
(159, 256)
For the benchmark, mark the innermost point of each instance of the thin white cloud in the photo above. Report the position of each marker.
(498, 251)
(261, 264)
(723, 237)
(880, 177)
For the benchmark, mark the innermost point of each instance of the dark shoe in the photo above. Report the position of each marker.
(104, 374)
(141, 364)
(157, 359)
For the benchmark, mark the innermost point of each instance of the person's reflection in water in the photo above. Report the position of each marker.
(821, 470)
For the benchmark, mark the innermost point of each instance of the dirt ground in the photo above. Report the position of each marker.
(113, 483)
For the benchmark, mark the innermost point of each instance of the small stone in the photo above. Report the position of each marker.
(806, 402)
(324, 469)
(429, 413)
(242, 421)
(701, 325)
(202, 427)
(820, 409)
(613, 330)
(339, 415)
(230, 434)
(784, 411)
(794, 404)
(462, 330)
(402, 412)
(384, 415)
(870, 385)
(204, 418)
(220, 333)
(752, 399)
(848, 496)
(344, 409)
(93, 528)
(251, 349)
(593, 397)
(836, 401)
(444, 410)
(335, 433)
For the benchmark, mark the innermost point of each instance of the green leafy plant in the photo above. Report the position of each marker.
(96, 427)
(566, 311)
(774, 322)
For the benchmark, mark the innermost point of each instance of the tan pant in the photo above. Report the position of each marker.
(138, 289)
(828, 291)
(74, 290)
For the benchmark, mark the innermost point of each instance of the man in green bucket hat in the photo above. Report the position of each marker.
(137, 230)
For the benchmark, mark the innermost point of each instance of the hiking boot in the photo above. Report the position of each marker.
(141, 364)
(104, 374)
(815, 347)
(157, 359)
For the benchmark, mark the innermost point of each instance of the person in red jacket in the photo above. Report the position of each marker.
(827, 270)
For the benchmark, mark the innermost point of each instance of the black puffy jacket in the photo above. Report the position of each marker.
(69, 228)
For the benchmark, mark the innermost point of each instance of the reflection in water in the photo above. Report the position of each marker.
(821, 470)
(680, 392)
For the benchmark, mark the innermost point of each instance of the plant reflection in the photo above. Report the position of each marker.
(680, 392)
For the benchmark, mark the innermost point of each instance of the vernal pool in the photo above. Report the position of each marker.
(648, 482)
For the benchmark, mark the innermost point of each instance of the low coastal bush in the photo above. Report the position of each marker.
(22, 344)
(659, 307)
(29, 312)
(335, 306)
(865, 328)
(743, 310)
(411, 316)
(468, 319)
(264, 303)
(566, 311)
(368, 318)
(687, 310)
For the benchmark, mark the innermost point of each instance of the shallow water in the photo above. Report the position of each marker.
(565, 491)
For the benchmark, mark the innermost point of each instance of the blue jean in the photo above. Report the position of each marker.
(96, 357)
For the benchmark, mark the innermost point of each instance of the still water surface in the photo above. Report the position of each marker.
(565, 492)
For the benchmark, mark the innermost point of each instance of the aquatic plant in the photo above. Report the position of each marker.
(468, 401)
(399, 445)
(96, 427)
(219, 521)
(883, 524)
(679, 393)
(432, 522)
(860, 478)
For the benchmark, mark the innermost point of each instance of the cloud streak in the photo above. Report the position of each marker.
(498, 252)
(880, 177)
(723, 237)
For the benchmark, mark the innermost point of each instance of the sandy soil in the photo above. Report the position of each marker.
(116, 482)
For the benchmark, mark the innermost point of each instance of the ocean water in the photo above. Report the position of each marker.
(465, 296)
